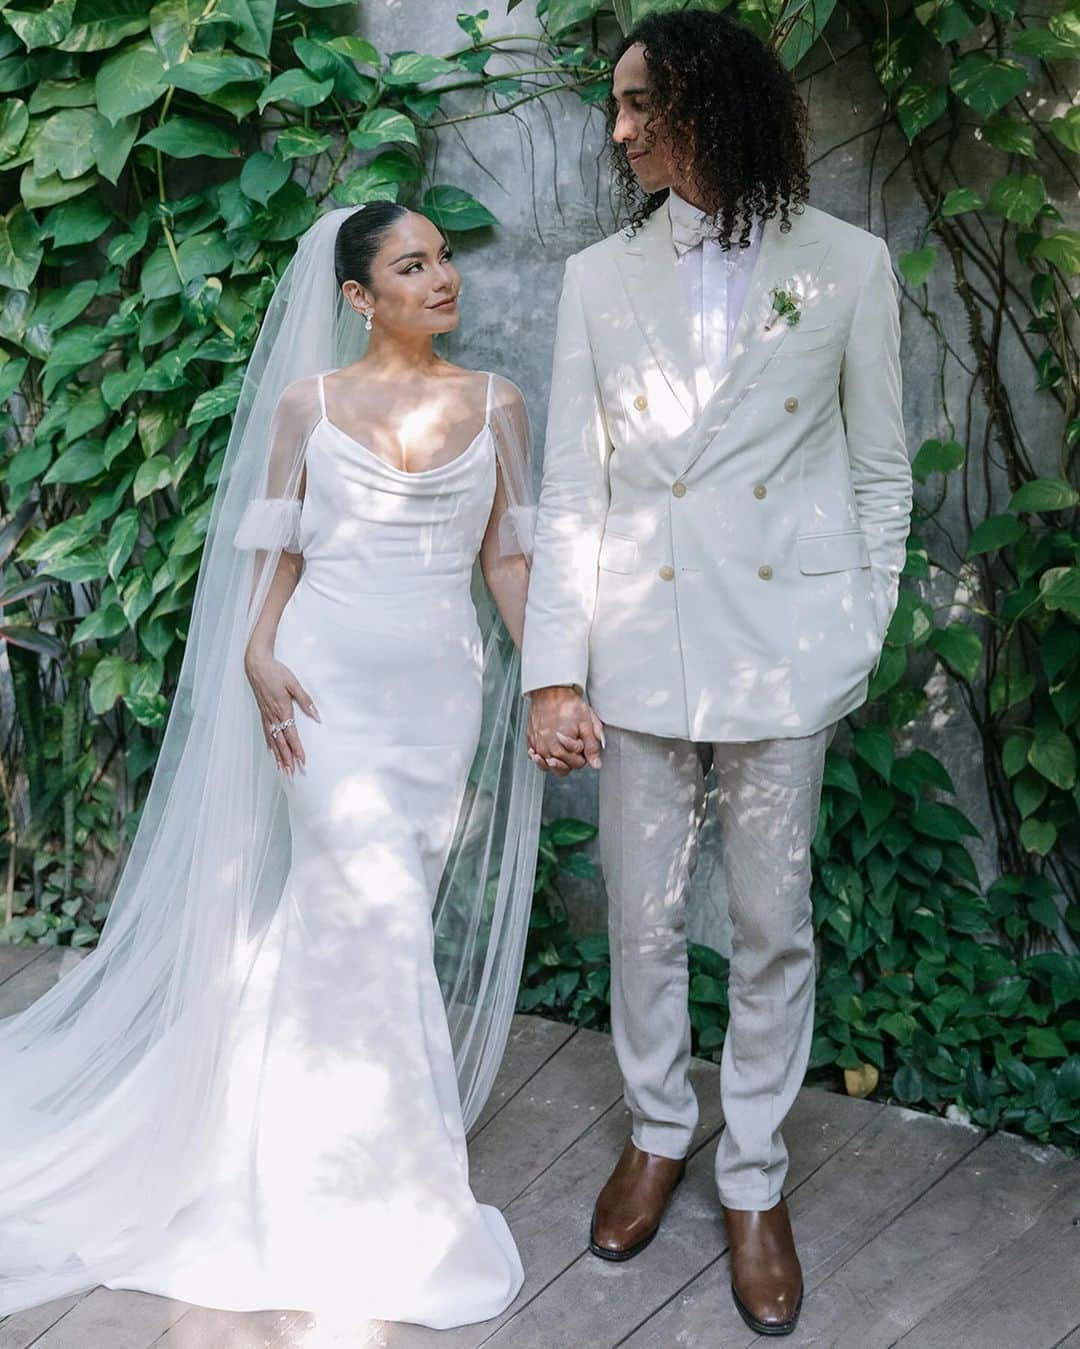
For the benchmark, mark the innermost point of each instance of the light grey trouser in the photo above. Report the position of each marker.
(651, 807)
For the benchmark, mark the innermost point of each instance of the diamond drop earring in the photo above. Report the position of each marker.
(367, 319)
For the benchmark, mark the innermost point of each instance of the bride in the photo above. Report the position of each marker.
(255, 1092)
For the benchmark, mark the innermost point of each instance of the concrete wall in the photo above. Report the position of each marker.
(543, 174)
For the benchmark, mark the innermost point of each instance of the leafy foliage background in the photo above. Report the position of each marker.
(157, 164)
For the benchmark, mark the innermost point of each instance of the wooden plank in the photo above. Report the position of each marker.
(567, 1095)
(1028, 1294)
(531, 1042)
(597, 1302)
(996, 1193)
(36, 977)
(205, 1328)
(21, 1329)
(550, 1220)
(112, 1319)
(845, 1203)
(14, 958)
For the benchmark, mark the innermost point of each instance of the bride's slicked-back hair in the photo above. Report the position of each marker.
(360, 238)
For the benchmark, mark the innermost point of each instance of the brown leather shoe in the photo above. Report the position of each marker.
(766, 1277)
(629, 1207)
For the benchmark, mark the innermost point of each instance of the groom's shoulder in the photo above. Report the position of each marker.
(853, 239)
(601, 250)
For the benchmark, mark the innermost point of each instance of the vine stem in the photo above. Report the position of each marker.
(12, 842)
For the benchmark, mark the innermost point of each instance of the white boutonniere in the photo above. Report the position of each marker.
(787, 298)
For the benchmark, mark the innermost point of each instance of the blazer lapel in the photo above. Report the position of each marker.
(647, 265)
(760, 332)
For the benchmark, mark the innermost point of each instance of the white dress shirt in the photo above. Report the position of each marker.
(715, 282)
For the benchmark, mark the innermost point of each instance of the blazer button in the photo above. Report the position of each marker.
(765, 572)
(760, 491)
(790, 404)
(667, 573)
(641, 402)
(678, 489)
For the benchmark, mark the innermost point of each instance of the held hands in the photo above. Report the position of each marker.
(564, 732)
(275, 686)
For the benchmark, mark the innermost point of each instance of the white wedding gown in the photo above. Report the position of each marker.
(341, 1177)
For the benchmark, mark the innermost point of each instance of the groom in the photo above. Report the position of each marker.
(721, 528)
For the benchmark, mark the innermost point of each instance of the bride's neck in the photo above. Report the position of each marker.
(391, 355)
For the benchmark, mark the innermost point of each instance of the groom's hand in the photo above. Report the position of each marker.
(564, 732)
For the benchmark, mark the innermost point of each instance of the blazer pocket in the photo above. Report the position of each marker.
(841, 551)
(815, 339)
(618, 553)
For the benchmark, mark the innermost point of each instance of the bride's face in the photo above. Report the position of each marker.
(414, 285)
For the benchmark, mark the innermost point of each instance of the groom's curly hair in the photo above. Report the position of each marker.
(734, 118)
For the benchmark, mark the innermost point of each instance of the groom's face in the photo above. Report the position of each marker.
(638, 130)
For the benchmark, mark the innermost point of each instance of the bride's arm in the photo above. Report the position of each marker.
(271, 527)
(506, 575)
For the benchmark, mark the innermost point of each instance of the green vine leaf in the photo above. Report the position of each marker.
(874, 745)
(207, 74)
(563, 14)
(1062, 249)
(130, 81)
(1014, 138)
(186, 138)
(937, 819)
(416, 68)
(918, 107)
(77, 222)
(41, 27)
(1019, 197)
(296, 86)
(65, 143)
(960, 648)
(355, 49)
(252, 20)
(937, 456)
(299, 142)
(1059, 588)
(986, 84)
(14, 120)
(1043, 494)
(454, 209)
(262, 175)
(1053, 754)
(381, 126)
(98, 25)
(110, 680)
(915, 267)
(960, 200)
(1067, 129)
(20, 249)
(996, 531)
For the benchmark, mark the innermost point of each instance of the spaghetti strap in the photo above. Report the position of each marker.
(322, 397)
(487, 401)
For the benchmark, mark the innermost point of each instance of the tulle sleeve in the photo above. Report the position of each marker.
(516, 504)
(270, 523)
(271, 520)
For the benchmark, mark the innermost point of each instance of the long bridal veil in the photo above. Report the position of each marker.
(112, 1082)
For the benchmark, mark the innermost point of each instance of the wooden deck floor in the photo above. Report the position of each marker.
(911, 1230)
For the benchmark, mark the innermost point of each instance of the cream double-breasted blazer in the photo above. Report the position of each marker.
(719, 560)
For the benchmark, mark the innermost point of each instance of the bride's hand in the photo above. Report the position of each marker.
(275, 686)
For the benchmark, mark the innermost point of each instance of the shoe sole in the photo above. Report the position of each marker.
(628, 1252)
(763, 1327)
